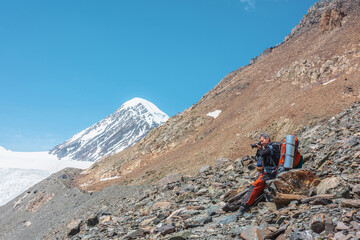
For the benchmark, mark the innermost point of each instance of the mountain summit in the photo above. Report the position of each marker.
(120, 130)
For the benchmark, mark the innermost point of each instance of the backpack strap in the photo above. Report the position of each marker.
(271, 149)
(272, 154)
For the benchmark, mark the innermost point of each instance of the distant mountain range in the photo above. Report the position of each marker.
(120, 130)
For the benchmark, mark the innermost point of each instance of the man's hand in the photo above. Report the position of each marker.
(258, 147)
(280, 169)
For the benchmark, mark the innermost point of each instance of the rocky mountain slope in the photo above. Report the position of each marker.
(320, 201)
(120, 130)
(311, 76)
(173, 183)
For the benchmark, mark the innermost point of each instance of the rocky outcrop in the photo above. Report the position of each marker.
(331, 19)
(328, 13)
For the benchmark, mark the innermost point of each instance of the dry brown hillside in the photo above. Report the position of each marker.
(311, 76)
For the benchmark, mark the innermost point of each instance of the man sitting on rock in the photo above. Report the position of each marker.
(268, 155)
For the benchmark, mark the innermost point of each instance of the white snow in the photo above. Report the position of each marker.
(21, 170)
(107, 179)
(158, 115)
(214, 114)
(326, 83)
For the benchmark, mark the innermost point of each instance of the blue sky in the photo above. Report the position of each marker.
(65, 65)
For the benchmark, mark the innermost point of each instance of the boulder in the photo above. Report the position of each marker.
(170, 178)
(317, 223)
(319, 199)
(249, 233)
(334, 185)
(295, 182)
(282, 200)
(73, 227)
(351, 203)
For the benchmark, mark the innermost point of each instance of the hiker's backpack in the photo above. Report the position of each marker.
(290, 156)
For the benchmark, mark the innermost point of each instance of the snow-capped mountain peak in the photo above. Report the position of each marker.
(136, 101)
(156, 115)
(122, 129)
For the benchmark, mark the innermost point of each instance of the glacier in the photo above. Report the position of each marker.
(21, 170)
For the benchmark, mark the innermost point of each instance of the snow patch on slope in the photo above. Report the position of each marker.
(326, 83)
(214, 114)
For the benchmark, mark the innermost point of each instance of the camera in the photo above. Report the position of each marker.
(254, 145)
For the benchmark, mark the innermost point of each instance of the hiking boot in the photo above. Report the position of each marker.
(242, 210)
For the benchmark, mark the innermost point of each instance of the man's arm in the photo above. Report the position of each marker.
(264, 152)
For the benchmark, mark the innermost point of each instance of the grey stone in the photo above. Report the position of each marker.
(351, 203)
(187, 188)
(214, 210)
(228, 219)
(166, 229)
(351, 142)
(301, 236)
(182, 235)
(135, 234)
(356, 190)
(341, 226)
(355, 225)
(205, 169)
(334, 185)
(249, 233)
(170, 178)
(200, 220)
(222, 163)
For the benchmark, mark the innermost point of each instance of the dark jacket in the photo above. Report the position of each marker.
(269, 160)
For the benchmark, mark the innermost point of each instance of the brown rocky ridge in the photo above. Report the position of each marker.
(312, 75)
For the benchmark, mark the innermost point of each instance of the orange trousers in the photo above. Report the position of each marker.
(257, 188)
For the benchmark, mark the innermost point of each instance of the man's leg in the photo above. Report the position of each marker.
(254, 191)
